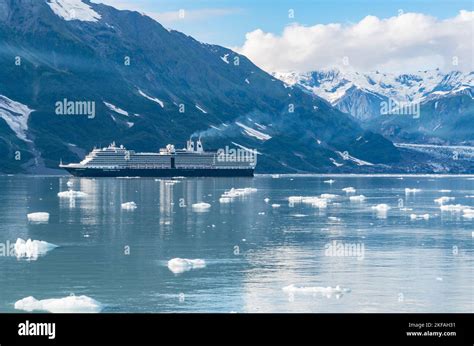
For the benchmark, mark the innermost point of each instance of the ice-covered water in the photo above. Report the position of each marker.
(348, 256)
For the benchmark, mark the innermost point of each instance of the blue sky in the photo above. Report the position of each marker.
(226, 22)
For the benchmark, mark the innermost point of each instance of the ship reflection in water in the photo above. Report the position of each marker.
(320, 251)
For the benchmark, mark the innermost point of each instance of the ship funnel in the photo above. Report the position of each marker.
(199, 148)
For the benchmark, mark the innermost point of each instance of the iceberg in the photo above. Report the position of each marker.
(453, 207)
(200, 207)
(409, 191)
(420, 217)
(181, 265)
(38, 217)
(71, 304)
(129, 206)
(359, 198)
(381, 208)
(32, 249)
(326, 291)
(443, 200)
(72, 194)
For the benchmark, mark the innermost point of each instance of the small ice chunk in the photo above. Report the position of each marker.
(420, 217)
(200, 207)
(181, 265)
(38, 217)
(329, 196)
(330, 181)
(225, 200)
(443, 200)
(468, 213)
(381, 207)
(276, 205)
(71, 304)
(335, 219)
(453, 207)
(325, 291)
(72, 194)
(129, 206)
(359, 198)
(70, 183)
(349, 189)
(445, 191)
(267, 200)
(32, 249)
(409, 191)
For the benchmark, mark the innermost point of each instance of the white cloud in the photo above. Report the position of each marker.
(405, 43)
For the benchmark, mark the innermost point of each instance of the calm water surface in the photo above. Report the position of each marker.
(252, 249)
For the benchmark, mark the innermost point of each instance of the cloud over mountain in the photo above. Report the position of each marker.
(407, 42)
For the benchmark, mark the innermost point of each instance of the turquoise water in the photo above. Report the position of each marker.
(252, 249)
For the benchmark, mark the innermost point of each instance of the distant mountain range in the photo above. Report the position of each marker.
(76, 74)
(426, 107)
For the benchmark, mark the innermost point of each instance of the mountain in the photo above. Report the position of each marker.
(76, 74)
(426, 107)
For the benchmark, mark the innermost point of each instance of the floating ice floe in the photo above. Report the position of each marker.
(329, 196)
(381, 207)
(181, 265)
(445, 191)
(129, 206)
(359, 198)
(453, 207)
(200, 207)
(314, 201)
(70, 183)
(338, 291)
(71, 304)
(349, 189)
(468, 213)
(409, 191)
(32, 249)
(72, 194)
(38, 217)
(443, 200)
(420, 217)
(229, 195)
(330, 181)
(335, 219)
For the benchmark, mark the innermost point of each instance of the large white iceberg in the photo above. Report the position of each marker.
(38, 217)
(71, 304)
(32, 249)
(181, 265)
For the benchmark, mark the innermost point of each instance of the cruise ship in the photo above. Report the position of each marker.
(192, 161)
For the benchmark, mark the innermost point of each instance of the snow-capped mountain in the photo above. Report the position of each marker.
(361, 94)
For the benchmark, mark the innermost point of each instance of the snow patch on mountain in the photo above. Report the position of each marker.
(16, 116)
(154, 99)
(116, 109)
(73, 10)
(254, 133)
